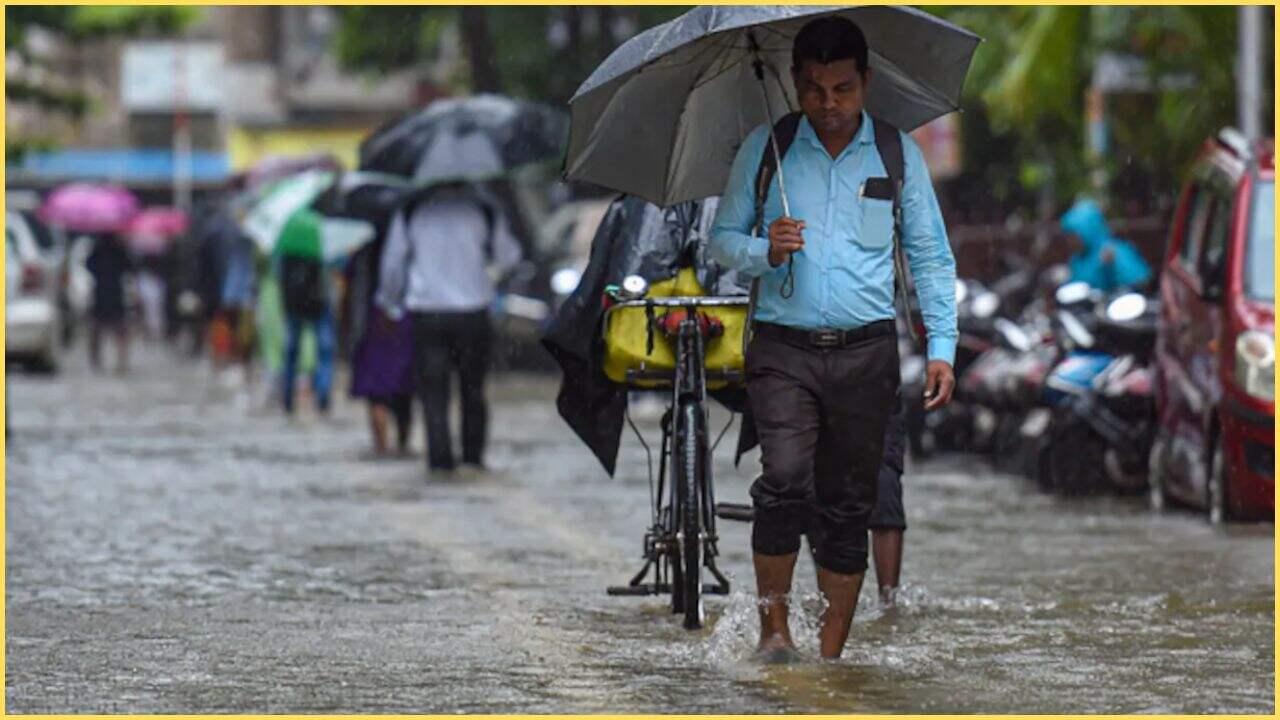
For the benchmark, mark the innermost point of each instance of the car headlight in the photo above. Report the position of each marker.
(565, 280)
(1256, 364)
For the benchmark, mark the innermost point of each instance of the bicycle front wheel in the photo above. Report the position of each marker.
(690, 451)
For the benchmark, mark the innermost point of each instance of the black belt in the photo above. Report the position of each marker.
(825, 337)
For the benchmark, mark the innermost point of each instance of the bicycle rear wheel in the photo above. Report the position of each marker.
(690, 451)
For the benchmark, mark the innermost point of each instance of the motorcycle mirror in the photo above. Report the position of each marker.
(1129, 306)
(1072, 293)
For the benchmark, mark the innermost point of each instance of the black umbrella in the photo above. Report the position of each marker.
(469, 139)
(664, 115)
(367, 196)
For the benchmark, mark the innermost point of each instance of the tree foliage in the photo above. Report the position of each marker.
(74, 24)
(529, 51)
(79, 22)
(1028, 81)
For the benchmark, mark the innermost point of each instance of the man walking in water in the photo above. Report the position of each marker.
(443, 251)
(822, 368)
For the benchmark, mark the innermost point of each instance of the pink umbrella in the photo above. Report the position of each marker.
(151, 230)
(87, 208)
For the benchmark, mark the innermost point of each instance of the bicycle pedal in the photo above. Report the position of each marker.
(632, 590)
(735, 511)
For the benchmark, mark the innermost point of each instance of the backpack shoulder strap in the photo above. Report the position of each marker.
(785, 131)
(889, 145)
(490, 222)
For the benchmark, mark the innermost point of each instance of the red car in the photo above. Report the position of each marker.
(1215, 354)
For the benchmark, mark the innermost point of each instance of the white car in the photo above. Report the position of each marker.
(33, 287)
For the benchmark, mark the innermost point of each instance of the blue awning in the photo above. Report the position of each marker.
(123, 165)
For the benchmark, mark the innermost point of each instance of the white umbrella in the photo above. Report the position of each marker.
(339, 236)
(267, 218)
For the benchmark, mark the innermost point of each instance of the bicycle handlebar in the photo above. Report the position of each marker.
(695, 301)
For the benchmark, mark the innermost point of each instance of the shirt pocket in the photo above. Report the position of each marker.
(876, 230)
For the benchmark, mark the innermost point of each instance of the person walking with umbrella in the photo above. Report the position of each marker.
(443, 249)
(381, 349)
(822, 368)
(102, 212)
(306, 293)
(450, 240)
(110, 265)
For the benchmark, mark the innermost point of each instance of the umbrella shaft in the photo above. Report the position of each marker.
(773, 136)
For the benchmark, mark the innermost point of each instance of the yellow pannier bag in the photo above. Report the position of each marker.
(626, 334)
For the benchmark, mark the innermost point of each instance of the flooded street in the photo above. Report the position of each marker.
(172, 549)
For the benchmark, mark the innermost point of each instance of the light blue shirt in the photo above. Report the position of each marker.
(844, 274)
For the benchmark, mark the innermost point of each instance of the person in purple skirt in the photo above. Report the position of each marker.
(381, 354)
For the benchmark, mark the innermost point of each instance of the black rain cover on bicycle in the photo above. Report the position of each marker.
(634, 238)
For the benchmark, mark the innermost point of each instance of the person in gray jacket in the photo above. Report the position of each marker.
(444, 251)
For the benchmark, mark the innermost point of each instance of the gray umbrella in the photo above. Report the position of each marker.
(663, 116)
(468, 138)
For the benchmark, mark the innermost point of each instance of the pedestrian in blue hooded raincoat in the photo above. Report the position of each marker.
(1104, 261)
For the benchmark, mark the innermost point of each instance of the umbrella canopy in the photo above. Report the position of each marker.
(663, 116)
(286, 207)
(369, 196)
(88, 208)
(153, 229)
(279, 167)
(266, 219)
(466, 139)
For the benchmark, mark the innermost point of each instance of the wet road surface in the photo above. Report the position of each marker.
(173, 548)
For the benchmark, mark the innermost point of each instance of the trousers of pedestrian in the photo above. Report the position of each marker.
(821, 415)
(322, 375)
(445, 343)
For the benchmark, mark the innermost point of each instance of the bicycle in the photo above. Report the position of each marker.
(681, 541)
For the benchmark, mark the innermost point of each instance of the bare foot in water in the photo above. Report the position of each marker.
(777, 650)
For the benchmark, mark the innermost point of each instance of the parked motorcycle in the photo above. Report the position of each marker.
(1101, 394)
(963, 425)
(949, 427)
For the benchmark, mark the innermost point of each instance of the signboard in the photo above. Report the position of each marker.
(168, 76)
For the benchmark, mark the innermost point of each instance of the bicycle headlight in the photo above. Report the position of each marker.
(1256, 364)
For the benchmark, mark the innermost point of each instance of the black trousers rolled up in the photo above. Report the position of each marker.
(821, 415)
(444, 343)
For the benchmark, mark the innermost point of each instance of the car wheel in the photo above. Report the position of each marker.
(46, 364)
(1218, 501)
(47, 361)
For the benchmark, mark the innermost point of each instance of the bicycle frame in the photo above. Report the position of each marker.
(688, 383)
